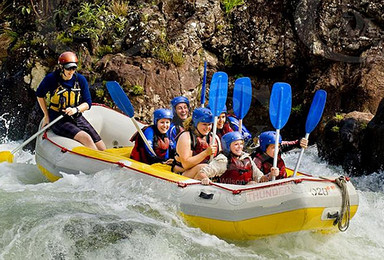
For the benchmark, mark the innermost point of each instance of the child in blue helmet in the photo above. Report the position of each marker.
(157, 136)
(233, 165)
(180, 109)
(263, 155)
(194, 146)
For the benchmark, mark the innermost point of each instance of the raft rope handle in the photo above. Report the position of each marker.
(345, 214)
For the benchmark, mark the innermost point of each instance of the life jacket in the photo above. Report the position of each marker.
(264, 162)
(160, 147)
(179, 129)
(63, 97)
(226, 129)
(238, 171)
(200, 144)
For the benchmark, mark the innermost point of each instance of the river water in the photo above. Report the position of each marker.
(111, 215)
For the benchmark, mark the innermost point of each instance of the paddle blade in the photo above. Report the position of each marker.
(280, 104)
(316, 110)
(218, 92)
(6, 156)
(242, 97)
(120, 98)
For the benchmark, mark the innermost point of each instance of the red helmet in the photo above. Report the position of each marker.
(68, 59)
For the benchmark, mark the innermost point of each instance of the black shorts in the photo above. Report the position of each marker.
(69, 127)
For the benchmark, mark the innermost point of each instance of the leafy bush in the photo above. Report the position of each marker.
(230, 4)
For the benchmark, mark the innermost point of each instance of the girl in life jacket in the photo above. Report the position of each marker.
(194, 145)
(158, 139)
(180, 109)
(232, 166)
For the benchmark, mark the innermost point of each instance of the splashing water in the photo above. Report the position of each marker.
(6, 123)
(113, 215)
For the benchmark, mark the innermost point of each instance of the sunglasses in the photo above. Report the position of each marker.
(71, 68)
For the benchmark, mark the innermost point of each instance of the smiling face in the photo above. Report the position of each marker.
(236, 147)
(163, 125)
(68, 73)
(204, 128)
(182, 111)
(221, 120)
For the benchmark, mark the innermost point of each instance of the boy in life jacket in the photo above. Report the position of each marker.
(69, 95)
(232, 166)
(194, 148)
(180, 109)
(158, 139)
(263, 155)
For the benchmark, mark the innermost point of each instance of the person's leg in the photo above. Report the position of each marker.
(100, 145)
(84, 125)
(194, 171)
(85, 139)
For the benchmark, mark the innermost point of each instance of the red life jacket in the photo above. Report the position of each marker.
(226, 129)
(238, 171)
(264, 162)
(139, 152)
(200, 144)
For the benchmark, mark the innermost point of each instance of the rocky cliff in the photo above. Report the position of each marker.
(156, 50)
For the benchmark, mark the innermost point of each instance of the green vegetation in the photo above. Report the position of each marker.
(168, 54)
(119, 8)
(297, 108)
(136, 90)
(97, 22)
(99, 93)
(338, 117)
(335, 129)
(230, 4)
(103, 50)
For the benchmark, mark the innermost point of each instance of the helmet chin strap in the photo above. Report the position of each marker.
(198, 132)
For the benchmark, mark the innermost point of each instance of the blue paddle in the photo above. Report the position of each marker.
(313, 118)
(124, 104)
(242, 97)
(280, 104)
(203, 86)
(217, 97)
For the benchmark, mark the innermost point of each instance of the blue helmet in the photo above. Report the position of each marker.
(267, 138)
(162, 113)
(177, 100)
(202, 114)
(229, 138)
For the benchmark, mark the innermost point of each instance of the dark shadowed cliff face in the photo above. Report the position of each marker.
(156, 50)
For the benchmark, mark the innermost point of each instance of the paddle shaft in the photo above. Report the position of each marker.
(241, 126)
(214, 134)
(276, 150)
(36, 134)
(204, 85)
(300, 156)
(142, 135)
